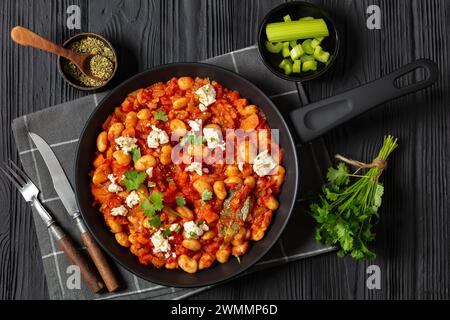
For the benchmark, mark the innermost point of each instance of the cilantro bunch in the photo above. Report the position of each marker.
(348, 207)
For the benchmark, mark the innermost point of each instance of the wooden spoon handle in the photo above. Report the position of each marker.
(100, 262)
(26, 37)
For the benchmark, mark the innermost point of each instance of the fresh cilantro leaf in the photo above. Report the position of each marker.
(347, 208)
(155, 221)
(166, 233)
(201, 222)
(192, 234)
(161, 115)
(181, 202)
(207, 195)
(339, 175)
(136, 154)
(133, 179)
(157, 199)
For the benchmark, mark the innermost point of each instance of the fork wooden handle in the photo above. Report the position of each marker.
(74, 255)
(100, 262)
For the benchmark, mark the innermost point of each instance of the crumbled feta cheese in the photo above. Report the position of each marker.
(205, 170)
(191, 230)
(174, 255)
(204, 226)
(195, 125)
(213, 138)
(173, 227)
(132, 199)
(119, 211)
(160, 244)
(264, 164)
(149, 172)
(113, 187)
(206, 96)
(170, 238)
(156, 137)
(126, 143)
(241, 166)
(195, 166)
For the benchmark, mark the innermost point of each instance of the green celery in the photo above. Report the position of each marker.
(293, 43)
(296, 66)
(321, 55)
(297, 52)
(287, 18)
(294, 30)
(274, 47)
(307, 46)
(315, 43)
(309, 66)
(285, 51)
(286, 65)
(307, 57)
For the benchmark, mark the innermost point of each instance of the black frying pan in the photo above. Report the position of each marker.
(310, 121)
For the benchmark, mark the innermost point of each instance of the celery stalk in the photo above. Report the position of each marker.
(296, 66)
(315, 43)
(297, 52)
(287, 18)
(285, 51)
(274, 47)
(293, 43)
(293, 30)
(307, 57)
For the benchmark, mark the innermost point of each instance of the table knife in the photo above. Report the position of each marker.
(67, 196)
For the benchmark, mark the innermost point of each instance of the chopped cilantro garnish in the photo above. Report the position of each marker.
(201, 222)
(206, 195)
(136, 154)
(155, 221)
(161, 115)
(181, 202)
(153, 204)
(192, 234)
(133, 179)
(166, 233)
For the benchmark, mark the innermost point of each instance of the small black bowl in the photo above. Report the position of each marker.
(73, 82)
(297, 10)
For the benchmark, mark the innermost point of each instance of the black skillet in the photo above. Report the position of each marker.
(310, 121)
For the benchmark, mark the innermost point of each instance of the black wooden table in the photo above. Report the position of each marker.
(413, 237)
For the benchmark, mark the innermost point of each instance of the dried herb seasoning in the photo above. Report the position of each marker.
(101, 65)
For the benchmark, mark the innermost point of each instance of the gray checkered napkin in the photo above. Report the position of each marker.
(61, 126)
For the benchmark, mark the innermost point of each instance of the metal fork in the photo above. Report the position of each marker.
(30, 193)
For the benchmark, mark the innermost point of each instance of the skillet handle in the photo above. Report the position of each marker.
(317, 118)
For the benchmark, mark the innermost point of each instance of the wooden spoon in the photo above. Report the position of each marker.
(28, 38)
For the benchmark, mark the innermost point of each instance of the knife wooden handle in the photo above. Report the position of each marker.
(100, 262)
(74, 255)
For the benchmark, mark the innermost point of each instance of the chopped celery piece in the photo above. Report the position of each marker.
(307, 57)
(309, 66)
(306, 18)
(314, 43)
(274, 47)
(296, 66)
(297, 52)
(285, 51)
(286, 65)
(287, 18)
(321, 55)
(307, 46)
(320, 39)
(293, 30)
(293, 43)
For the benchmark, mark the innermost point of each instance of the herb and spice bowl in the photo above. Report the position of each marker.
(103, 63)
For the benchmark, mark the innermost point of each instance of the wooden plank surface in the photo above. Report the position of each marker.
(413, 237)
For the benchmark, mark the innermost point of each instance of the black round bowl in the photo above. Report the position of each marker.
(73, 82)
(297, 10)
(94, 219)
